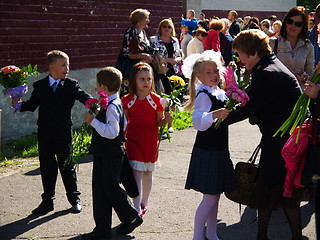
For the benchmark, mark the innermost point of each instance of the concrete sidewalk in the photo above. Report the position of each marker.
(171, 208)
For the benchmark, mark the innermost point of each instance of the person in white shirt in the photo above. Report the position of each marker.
(108, 152)
(195, 45)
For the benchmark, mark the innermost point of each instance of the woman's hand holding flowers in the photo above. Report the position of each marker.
(221, 113)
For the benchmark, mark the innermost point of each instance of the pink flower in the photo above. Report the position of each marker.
(104, 102)
(90, 102)
(229, 76)
(102, 94)
(9, 69)
(236, 97)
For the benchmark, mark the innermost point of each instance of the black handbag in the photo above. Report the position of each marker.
(246, 176)
(125, 64)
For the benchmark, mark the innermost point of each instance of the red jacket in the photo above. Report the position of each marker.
(212, 41)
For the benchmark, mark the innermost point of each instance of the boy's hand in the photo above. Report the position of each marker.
(88, 117)
(15, 101)
(221, 113)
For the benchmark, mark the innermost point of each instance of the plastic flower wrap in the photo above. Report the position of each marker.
(14, 80)
(299, 112)
(237, 96)
(94, 104)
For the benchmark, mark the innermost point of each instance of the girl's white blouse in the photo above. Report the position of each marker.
(201, 116)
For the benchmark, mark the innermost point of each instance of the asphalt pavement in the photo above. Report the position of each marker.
(171, 208)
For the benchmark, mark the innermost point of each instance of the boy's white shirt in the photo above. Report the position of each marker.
(111, 128)
(52, 81)
(201, 116)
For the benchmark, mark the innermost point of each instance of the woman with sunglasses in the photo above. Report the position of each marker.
(169, 50)
(293, 48)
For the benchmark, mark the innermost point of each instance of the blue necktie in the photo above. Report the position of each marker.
(54, 86)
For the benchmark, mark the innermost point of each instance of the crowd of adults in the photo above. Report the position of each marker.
(294, 40)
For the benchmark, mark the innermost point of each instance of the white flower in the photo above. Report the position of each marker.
(165, 102)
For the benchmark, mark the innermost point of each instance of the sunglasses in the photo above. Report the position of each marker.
(165, 26)
(297, 24)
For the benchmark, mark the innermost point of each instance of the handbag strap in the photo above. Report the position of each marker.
(254, 155)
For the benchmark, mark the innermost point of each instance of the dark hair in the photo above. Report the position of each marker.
(296, 11)
(110, 77)
(204, 24)
(140, 66)
(253, 25)
(273, 18)
(254, 19)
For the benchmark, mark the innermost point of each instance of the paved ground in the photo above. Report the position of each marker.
(171, 208)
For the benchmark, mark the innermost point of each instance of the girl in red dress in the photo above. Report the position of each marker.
(144, 113)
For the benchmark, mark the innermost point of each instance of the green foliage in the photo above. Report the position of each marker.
(81, 141)
(310, 5)
(18, 77)
(23, 147)
(181, 120)
(30, 152)
(25, 143)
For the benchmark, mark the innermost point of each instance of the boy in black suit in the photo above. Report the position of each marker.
(55, 96)
(108, 151)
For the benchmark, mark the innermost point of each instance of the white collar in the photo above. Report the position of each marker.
(149, 99)
(218, 92)
(52, 80)
(112, 97)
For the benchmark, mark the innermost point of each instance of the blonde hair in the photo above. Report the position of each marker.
(53, 55)
(194, 80)
(168, 21)
(138, 15)
(140, 66)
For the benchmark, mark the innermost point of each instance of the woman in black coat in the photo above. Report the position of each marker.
(273, 92)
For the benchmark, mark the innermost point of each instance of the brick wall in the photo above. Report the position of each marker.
(90, 32)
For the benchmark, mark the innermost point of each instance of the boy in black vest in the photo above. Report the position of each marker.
(107, 149)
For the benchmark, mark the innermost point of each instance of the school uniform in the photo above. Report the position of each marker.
(107, 148)
(211, 169)
(55, 132)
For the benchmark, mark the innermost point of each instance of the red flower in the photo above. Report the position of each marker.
(9, 69)
(92, 104)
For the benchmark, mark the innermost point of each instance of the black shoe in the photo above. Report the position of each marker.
(76, 207)
(126, 228)
(43, 208)
(92, 236)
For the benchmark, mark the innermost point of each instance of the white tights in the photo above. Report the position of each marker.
(206, 214)
(144, 183)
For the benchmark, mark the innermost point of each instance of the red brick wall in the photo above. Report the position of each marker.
(90, 32)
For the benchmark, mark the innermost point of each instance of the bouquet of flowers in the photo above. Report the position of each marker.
(14, 80)
(168, 100)
(94, 104)
(237, 96)
(298, 114)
